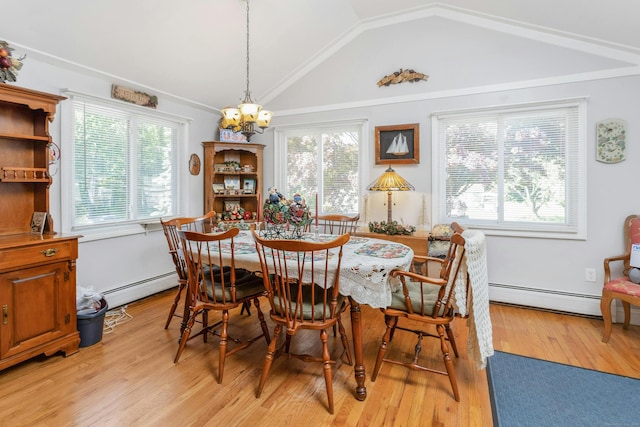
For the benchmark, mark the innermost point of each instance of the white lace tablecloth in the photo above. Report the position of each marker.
(364, 270)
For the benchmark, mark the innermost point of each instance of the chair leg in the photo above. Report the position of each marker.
(263, 324)
(393, 329)
(345, 340)
(326, 357)
(268, 360)
(246, 306)
(627, 314)
(222, 352)
(174, 306)
(448, 362)
(386, 338)
(287, 345)
(605, 309)
(452, 339)
(205, 324)
(185, 334)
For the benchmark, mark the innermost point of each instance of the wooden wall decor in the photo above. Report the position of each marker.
(133, 96)
(402, 76)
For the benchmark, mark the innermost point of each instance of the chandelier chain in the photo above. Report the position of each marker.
(248, 93)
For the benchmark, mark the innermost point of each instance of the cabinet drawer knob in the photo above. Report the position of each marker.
(49, 252)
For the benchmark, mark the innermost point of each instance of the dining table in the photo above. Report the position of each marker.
(364, 278)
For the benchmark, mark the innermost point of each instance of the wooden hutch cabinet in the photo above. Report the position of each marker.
(37, 271)
(233, 179)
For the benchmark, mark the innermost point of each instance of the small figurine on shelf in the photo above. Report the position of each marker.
(237, 213)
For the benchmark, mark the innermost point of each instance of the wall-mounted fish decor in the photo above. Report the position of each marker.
(402, 76)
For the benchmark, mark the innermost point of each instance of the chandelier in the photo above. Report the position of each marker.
(248, 115)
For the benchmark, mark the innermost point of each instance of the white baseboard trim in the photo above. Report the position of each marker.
(556, 300)
(138, 290)
(511, 294)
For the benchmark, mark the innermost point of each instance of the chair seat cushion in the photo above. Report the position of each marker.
(306, 305)
(622, 285)
(429, 291)
(248, 284)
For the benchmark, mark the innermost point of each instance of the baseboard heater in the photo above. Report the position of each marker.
(141, 289)
(553, 300)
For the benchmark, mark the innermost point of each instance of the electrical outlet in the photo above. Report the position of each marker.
(590, 275)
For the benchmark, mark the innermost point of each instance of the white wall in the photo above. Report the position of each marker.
(554, 265)
(471, 67)
(130, 267)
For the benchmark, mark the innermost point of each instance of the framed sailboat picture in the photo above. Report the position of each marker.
(398, 144)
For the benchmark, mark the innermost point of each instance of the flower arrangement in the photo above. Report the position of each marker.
(391, 228)
(279, 211)
(285, 219)
(8, 66)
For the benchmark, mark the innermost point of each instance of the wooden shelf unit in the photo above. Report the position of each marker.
(246, 154)
(37, 271)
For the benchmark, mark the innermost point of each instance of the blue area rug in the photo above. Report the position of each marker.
(532, 392)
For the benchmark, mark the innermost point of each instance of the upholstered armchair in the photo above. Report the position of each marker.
(621, 288)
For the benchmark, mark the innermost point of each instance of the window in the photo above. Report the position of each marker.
(124, 163)
(517, 170)
(322, 159)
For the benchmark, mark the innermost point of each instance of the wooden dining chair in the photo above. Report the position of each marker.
(214, 283)
(338, 224)
(621, 288)
(170, 228)
(426, 301)
(302, 279)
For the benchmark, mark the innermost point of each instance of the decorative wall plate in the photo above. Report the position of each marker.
(611, 141)
(194, 164)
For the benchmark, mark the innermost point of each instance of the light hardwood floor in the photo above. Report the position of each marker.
(129, 379)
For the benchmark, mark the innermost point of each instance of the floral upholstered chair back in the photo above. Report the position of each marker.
(439, 240)
(632, 236)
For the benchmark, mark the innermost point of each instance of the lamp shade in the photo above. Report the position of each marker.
(264, 118)
(230, 118)
(390, 181)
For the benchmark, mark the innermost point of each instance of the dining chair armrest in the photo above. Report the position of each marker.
(607, 261)
(418, 277)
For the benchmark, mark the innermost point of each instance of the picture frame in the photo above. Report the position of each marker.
(231, 205)
(249, 186)
(38, 220)
(397, 144)
(232, 183)
(218, 188)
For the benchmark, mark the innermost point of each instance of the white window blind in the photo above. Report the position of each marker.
(324, 160)
(514, 168)
(124, 164)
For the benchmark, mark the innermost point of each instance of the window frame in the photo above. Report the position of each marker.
(125, 227)
(280, 152)
(575, 230)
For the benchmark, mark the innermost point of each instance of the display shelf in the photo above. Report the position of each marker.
(232, 171)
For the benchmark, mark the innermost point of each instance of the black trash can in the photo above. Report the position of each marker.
(91, 325)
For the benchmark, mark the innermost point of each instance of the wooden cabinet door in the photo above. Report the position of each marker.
(34, 307)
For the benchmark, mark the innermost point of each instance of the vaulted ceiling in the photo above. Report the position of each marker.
(196, 49)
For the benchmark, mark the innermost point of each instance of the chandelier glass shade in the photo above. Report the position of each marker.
(248, 117)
